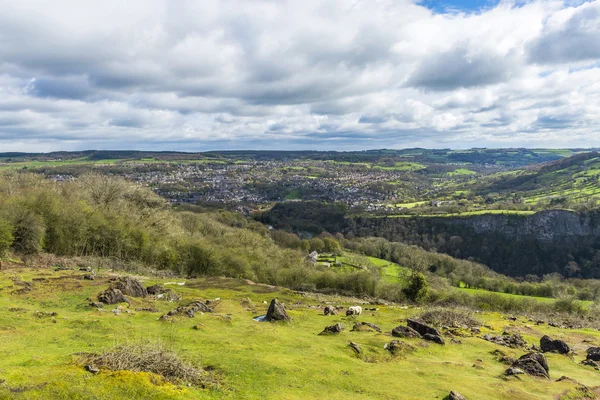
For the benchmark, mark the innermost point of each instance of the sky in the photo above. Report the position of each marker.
(195, 75)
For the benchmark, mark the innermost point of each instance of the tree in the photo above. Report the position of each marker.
(417, 287)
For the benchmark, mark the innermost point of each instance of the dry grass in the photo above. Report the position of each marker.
(154, 358)
(451, 318)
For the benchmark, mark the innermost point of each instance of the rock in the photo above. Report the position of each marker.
(456, 396)
(169, 296)
(112, 296)
(355, 347)
(548, 345)
(405, 332)
(398, 346)
(147, 309)
(514, 371)
(590, 363)
(248, 304)
(155, 289)
(365, 326)
(534, 364)
(276, 312)
(333, 329)
(129, 286)
(89, 277)
(506, 339)
(91, 369)
(96, 304)
(593, 354)
(191, 309)
(422, 327)
(434, 338)
(329, 310)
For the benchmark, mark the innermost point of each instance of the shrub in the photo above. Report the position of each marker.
(153, 358)
(6, 237)
(417, 287)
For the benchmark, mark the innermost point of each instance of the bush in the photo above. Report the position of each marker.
(153, 358)
(6, 237)
(417, 287)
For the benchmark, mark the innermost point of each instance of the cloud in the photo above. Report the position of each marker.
(460, 68)
(569, 36)
(195, 75)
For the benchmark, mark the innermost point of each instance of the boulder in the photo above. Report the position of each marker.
(405, 332)
(276, 312)
(91, 369)
(129, 286)
(169, 296)
(330, 310)
(333, 329)
(548, 345)
(534, 364)
(112, 296)
(456, 396)
(366, 326)
(514, 371)
(355, 347)
(398, 346)
(506, 339)
(434, 338)
(593, 354)
(191, 309)
(422, 327)
(155, 289)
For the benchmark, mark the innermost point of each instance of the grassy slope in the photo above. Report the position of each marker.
(258, 360)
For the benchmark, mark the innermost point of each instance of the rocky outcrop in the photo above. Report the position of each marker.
(329, 310)
(112, 296)
(593, 354)
(456, 396)
(422, 327)
(534, 364)
(405, 332)
(397, 346)
(129, 286)
(155, 289)
(434, 338)
(506, 339)
(333, 329)
(548, 345)
(276, 312)
(365, 327)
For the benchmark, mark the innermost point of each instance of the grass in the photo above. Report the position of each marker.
(255, 360)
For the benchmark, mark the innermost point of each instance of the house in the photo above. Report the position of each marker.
(313, 257)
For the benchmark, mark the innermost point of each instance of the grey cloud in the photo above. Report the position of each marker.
(62, 88)
(577, 40)
(458, 68)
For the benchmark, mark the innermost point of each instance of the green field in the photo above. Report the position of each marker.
(253, 360)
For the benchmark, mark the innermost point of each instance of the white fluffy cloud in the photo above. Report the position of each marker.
(337, 74)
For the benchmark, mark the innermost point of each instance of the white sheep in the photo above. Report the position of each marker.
(356, 310)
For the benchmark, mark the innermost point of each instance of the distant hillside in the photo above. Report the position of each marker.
(575, 178)
(509, 158)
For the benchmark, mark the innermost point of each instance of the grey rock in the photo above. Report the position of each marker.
(405, 332)
(112, 296)
(548, 345)
(422, 327)
(333, 329)
(456, 396)
(276, 312)
(434, 338)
